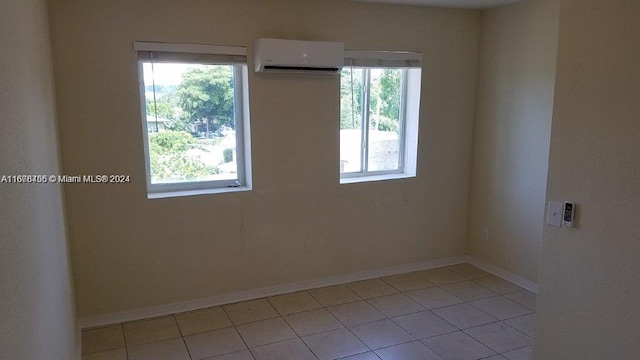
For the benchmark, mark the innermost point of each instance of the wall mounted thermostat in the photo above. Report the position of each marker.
(555, 213)
(569, 214)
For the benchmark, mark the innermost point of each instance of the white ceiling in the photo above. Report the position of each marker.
(470, 4)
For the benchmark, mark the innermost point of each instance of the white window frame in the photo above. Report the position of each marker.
(201, 54)
(410, 62)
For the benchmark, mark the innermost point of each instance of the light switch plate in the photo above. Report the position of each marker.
(554, 214)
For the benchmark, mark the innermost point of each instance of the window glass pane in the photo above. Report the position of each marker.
(190, 122)
(351, 119)
(384, 119)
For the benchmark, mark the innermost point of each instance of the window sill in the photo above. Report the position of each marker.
(181, 193)
(368, 178)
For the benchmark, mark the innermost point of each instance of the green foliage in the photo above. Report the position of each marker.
(227, 154)
(206, 97)
(386, 124)
(170, 142)
(203, 101)
(384, 99)
(166, 106)
(390, 93)
(161, 109)
(351, 98)
(179, 166)
(170, 161)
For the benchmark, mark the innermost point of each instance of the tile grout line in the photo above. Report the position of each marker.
(522, 332)
(478, 340)
(236, 330)
(348, 302)
(497, 352)
(299, 336)
(520, 348)
(345, 326)
(294, 330)
(370, 349)
(182, 337)
(365, 301)
(126, 348)
(434, 350)
(468, 302)
(507, 318)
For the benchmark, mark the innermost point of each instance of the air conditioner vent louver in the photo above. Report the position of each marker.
(301, 68)
(297, 56)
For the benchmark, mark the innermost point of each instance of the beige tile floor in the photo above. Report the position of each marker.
(455, 313)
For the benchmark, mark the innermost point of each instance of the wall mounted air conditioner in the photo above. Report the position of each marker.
(297, 56)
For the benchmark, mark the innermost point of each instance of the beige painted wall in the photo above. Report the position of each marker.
(130, 252)
(512, 131)
(37, 317)
(590, 275)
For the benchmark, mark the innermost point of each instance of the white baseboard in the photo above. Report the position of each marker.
(499, 272)
(168, 309)
(174, 308)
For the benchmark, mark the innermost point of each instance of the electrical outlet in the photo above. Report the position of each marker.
(309, 246)
(485, 234)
